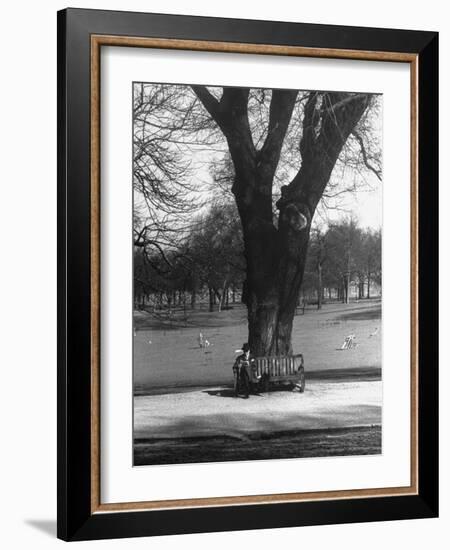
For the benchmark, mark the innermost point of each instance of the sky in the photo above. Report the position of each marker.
(368, 207)
(364, 204)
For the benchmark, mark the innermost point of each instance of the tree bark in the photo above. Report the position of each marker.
(347, 288)
(211, 299)
(319, 286)
(360, 289)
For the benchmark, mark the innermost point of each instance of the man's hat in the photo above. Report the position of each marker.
(245, 347)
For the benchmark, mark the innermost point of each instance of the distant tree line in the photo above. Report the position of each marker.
(342, 256)
(207, 266)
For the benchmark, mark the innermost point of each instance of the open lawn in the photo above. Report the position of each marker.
(168, 358)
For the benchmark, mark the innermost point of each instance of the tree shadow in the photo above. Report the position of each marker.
(283, 387)
(229, 392)
(47, 526)
(225, 392)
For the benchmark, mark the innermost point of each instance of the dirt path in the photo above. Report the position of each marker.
(329, 419)
(216, 412)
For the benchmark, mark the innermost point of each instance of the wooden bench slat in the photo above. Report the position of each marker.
(281, 367)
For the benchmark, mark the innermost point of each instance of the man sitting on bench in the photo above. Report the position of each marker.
(243, 369)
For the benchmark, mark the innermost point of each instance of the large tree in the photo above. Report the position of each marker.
(276, 245)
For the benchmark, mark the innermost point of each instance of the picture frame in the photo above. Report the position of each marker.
(81, 35)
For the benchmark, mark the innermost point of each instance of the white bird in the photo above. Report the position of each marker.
(349, 342)
(201, 342)
(374, 333)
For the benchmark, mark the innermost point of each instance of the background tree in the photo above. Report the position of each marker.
(216, 249)
(344, 240)
(316, 263)
(167, 189)
(371, 258)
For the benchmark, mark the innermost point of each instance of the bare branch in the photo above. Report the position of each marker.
(281, 108)
(209, 101)
(366, 161)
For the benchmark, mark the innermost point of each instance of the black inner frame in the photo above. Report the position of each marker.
(75, 521)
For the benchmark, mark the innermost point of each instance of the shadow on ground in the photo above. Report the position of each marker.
(46, 526)
(229, 392)
(262, 446)
(223, 424)
(364, 315)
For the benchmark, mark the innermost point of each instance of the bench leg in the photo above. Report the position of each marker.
(301, 381)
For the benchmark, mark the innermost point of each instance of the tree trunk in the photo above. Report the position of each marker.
(347, 287)
(368, 285)
(344, 290)
(275, 265)
(319, 286)
(360, 289)
(222, 298)
(270, 328)
(211, 299)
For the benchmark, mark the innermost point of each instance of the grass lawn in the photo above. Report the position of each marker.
(169, 357)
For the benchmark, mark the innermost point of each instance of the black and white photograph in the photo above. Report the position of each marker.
(257, 263)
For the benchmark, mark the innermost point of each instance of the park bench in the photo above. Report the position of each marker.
(280, 370)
